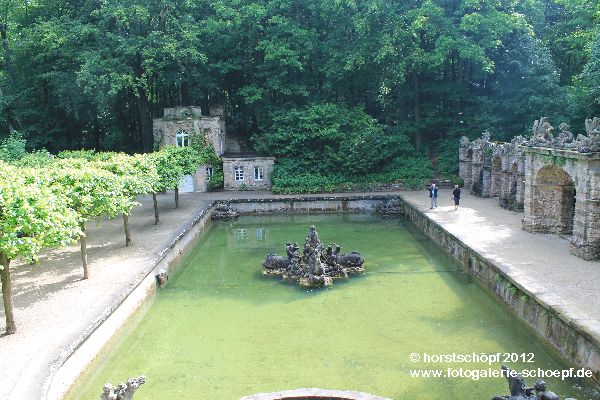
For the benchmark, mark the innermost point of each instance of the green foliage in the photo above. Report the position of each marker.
(554, 160)
(326, 138)
(447, 158)
(32, 216)
(590, 77)
(216, 180)
(135, 175)
(92, 192)
(409, 172)
(13, 147)
(38, 159)
(327, 147)
(172, 163)
(82, 154)
(340, 84)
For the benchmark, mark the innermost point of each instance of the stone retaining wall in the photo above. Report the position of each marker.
(307, 204)
(571, 340)
(80, 354)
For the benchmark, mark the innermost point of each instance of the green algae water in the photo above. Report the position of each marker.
(220, 330)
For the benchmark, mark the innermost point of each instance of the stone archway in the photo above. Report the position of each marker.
(553, 202)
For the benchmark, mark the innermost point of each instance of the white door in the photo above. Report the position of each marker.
(186, 184)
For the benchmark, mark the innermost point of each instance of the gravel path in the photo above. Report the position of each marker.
(53, 305)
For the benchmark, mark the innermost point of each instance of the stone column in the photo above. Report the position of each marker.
(476, 171)
(529, 219)
(586, 226)
(506, 179)
(201, 179)
(519, 201)
(496, 175)
(465, 156)
(486, 178)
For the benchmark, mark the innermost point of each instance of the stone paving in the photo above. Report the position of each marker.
(54, 307)
(540, 263)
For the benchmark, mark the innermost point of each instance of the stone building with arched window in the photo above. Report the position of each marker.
(180, 126)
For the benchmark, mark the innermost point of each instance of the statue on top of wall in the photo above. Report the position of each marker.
(486, 136)
(464, 141)
(590, 142)
(516, 142)
(592, 126)
(565, 137)
(542, 132)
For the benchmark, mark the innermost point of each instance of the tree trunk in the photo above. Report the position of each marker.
(176, 197)
(128, 241)
(7, 54)
(11, 128)
(11, 327)
(156, 215)
(145, 122)
(84, 256)
(417, 110)
(8, 66)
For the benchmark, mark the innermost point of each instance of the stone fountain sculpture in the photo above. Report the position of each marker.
(317, 266)
(392, 206)
(520, 391)
(123, 391)
(224, 211)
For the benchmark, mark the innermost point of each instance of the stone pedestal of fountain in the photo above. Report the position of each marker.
(317, 266)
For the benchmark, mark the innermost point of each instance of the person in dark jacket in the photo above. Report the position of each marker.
(456, 194)
(433, 194)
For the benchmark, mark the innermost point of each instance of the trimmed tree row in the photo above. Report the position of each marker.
(47, 201)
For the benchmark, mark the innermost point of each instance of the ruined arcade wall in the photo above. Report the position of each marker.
(493, 169)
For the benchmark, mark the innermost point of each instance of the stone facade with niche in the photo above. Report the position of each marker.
(247, 172)
(562, 196)
(554, 179)
(190, 121)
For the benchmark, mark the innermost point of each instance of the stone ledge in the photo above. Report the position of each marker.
(313, 393)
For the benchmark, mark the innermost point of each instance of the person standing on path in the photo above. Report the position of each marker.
(433, 194)
(456, 194)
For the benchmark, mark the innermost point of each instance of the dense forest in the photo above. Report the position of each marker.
(333, 88)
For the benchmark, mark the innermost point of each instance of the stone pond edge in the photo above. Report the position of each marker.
(74, 360)
(566, 335)
(572, 339)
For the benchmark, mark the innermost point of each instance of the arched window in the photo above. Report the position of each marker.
(182, 138)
